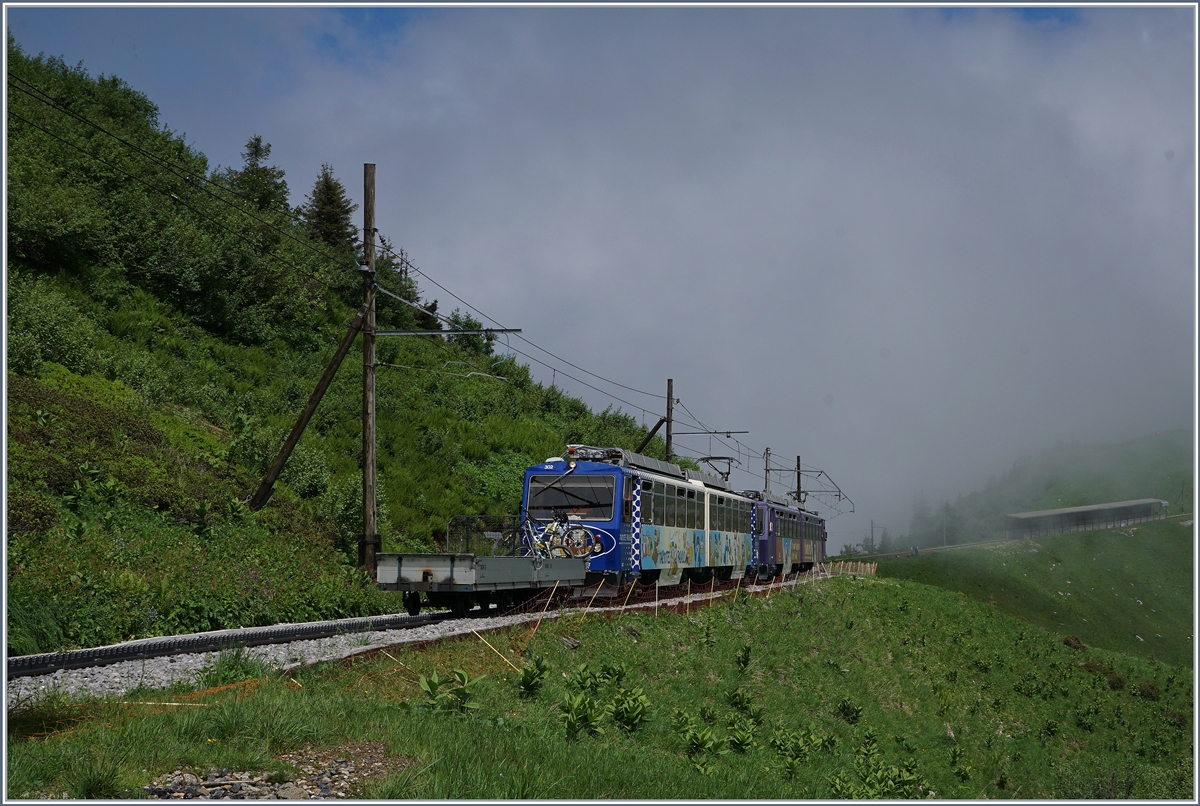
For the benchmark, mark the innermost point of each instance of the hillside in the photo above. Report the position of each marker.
(166, 323)
(1063, 475)
(844, 689)
(1126, 590)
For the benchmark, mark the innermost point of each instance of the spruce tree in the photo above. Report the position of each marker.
(262, 184)
(328, 212)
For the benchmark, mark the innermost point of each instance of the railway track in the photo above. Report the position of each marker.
(595, 597)
(216, 641)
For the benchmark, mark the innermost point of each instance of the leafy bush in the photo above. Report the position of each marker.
(743, 658)
(453, 694)
(849, 711)
(613, 673)
(741, 737)
(739, 698)
(582, 714)
(584, 678)
(699, 741)
(43, 325)
(533, 677)
(630, 709)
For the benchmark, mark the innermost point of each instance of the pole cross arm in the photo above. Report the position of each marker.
(713, 433)
(487, 332)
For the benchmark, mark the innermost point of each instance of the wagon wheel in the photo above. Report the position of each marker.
(412, 603)
(462, 604)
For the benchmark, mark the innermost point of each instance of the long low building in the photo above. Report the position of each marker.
(1082, 519)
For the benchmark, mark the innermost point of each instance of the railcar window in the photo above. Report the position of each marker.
(648, 502)
(660, 504)
(691, 510)
(586, 497)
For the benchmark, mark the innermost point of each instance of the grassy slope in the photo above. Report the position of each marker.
(145, 403)
(1119, 586)
(1065, 475)
(915, 662)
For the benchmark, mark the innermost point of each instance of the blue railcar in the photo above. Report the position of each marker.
(659, 522)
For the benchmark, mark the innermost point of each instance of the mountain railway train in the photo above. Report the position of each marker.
(671, 524)
(656, 523)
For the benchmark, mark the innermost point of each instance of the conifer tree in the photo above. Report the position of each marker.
(328, 211)
(263, 184)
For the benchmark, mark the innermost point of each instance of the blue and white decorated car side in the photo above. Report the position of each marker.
(661, 523)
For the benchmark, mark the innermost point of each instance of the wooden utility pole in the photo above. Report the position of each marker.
(369, 543)
(767, 470)
(670, 413)
(799, 500)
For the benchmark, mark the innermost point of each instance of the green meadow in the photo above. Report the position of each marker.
(1128, 590)
(849, 688)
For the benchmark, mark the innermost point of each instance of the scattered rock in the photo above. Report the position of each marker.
(320, 773)
(570, 643)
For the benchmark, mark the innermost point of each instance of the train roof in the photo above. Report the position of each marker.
(626, 458)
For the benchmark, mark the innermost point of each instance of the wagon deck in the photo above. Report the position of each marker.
(471, 573)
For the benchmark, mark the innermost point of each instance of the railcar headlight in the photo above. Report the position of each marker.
(571, 464)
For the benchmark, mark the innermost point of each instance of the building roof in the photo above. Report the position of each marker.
(1090, 508)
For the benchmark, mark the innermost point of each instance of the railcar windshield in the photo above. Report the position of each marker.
(584, 497)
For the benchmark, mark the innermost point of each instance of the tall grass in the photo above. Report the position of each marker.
(949, 696)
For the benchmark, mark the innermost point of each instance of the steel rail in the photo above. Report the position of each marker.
(216, 641)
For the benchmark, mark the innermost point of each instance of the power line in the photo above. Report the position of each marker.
(268, 255)
(409, 265)
(179, 171)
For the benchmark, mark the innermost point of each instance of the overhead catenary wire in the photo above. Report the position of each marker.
(411, 267)
(442, 371)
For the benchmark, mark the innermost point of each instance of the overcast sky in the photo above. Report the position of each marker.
(907, 244)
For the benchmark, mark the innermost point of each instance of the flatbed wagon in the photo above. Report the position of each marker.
(462, 581)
